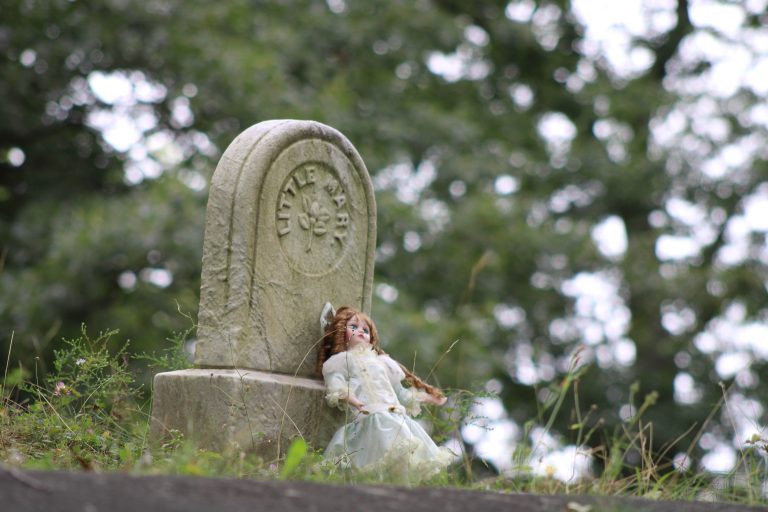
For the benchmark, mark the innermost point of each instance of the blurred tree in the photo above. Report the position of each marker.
(541, 190)
(83, 238)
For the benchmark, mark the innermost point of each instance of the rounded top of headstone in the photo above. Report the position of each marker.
(282, 132)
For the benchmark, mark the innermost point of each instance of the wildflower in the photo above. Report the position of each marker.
(550, 470)
(80, 361)
(60, 389)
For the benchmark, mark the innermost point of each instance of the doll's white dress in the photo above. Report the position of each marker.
(386, 442)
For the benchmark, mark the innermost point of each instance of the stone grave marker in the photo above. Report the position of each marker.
(290, 225)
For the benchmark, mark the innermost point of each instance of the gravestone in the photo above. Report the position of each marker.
(290, 225)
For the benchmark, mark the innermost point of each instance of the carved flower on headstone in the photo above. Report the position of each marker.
(313, 219)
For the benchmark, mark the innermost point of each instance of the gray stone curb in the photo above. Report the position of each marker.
(22, 491)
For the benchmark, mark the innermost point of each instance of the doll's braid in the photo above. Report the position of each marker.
(420, 384)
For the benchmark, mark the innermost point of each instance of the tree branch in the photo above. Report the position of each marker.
(669, 45)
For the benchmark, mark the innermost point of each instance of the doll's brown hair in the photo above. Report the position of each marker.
(334, 341)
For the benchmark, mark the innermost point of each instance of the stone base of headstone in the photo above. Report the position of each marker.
(243, 410)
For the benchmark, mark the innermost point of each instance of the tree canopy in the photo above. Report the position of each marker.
(546, 190)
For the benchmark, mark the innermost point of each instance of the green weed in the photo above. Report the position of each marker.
(628, 464)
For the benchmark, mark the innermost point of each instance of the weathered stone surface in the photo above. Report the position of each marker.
(242, 409)
(290, 224)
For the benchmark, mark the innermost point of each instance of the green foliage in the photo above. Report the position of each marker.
(626, 462)
(293, 457)
(87, 413)
(174, 356)
(87, 376)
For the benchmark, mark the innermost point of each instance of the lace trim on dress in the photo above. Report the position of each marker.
(334, 397)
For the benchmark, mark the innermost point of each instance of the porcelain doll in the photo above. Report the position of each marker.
(380, 437)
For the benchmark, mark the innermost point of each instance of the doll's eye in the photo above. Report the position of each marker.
(353, 327)
(365, 331)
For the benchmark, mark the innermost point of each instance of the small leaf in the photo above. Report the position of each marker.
(305, 203)
(190, 468)
(303, 221)
(296, 453)
(320, 229)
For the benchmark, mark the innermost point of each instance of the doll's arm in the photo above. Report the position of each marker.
(411, 398)
(337, 390)
(354, 402)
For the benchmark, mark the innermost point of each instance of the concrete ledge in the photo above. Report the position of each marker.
(242, 410)
(54, 491)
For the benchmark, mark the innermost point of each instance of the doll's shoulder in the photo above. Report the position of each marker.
(393, 367)
(337, 363)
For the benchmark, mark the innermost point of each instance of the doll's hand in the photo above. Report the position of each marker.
(436, 400)
(357, 404)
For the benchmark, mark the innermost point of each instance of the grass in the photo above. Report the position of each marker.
(92, 414)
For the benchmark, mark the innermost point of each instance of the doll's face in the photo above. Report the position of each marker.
(357, 333)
